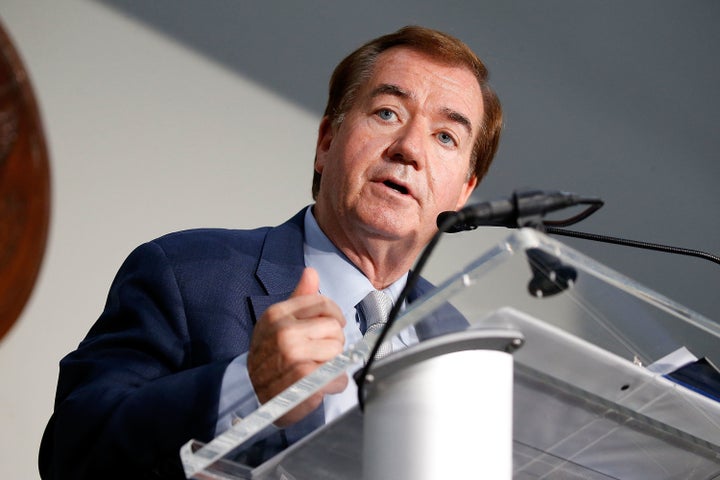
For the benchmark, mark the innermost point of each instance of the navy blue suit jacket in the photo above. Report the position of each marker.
(147, 377)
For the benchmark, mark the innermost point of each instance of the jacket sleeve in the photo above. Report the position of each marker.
(139, 385)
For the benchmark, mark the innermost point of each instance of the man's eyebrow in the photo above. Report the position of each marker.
(397, 91)
(459, 118)
(389, 89)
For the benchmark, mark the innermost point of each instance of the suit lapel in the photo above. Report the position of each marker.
(281, 264)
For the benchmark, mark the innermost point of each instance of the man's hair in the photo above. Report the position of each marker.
(357, 68)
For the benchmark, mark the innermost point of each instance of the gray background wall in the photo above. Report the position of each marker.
(174, 114)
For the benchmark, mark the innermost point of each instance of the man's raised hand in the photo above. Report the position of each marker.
(292, 339)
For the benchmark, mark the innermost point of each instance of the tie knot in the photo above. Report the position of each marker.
(375, 307)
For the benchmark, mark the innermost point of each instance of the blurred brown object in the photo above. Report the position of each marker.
(24, 186)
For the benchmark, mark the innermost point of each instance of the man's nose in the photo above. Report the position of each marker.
(408, 146)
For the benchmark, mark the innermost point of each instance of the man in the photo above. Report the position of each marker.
(201, 327)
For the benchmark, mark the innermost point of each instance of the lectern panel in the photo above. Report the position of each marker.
(585, 403)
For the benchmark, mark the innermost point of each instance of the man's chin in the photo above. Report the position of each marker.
(392, 225)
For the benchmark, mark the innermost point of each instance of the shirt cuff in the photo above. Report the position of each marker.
(237, 395)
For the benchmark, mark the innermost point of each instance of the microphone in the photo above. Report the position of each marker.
(524, 208)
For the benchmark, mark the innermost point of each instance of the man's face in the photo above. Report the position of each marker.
(402, 154)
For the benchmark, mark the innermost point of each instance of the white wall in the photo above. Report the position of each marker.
(145, 137)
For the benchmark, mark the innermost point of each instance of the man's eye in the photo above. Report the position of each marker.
(445, 138)
(385, 114)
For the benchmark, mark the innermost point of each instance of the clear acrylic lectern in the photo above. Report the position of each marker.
(590, 398)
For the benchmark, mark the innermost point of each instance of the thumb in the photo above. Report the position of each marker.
(309, 283)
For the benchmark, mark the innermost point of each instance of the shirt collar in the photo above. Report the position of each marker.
(340, 279)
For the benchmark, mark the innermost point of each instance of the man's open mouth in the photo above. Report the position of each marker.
(396, 187)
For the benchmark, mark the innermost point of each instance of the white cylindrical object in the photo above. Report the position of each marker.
(446, 417)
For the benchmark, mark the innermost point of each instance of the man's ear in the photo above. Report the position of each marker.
(467, 190)
(325, 137)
